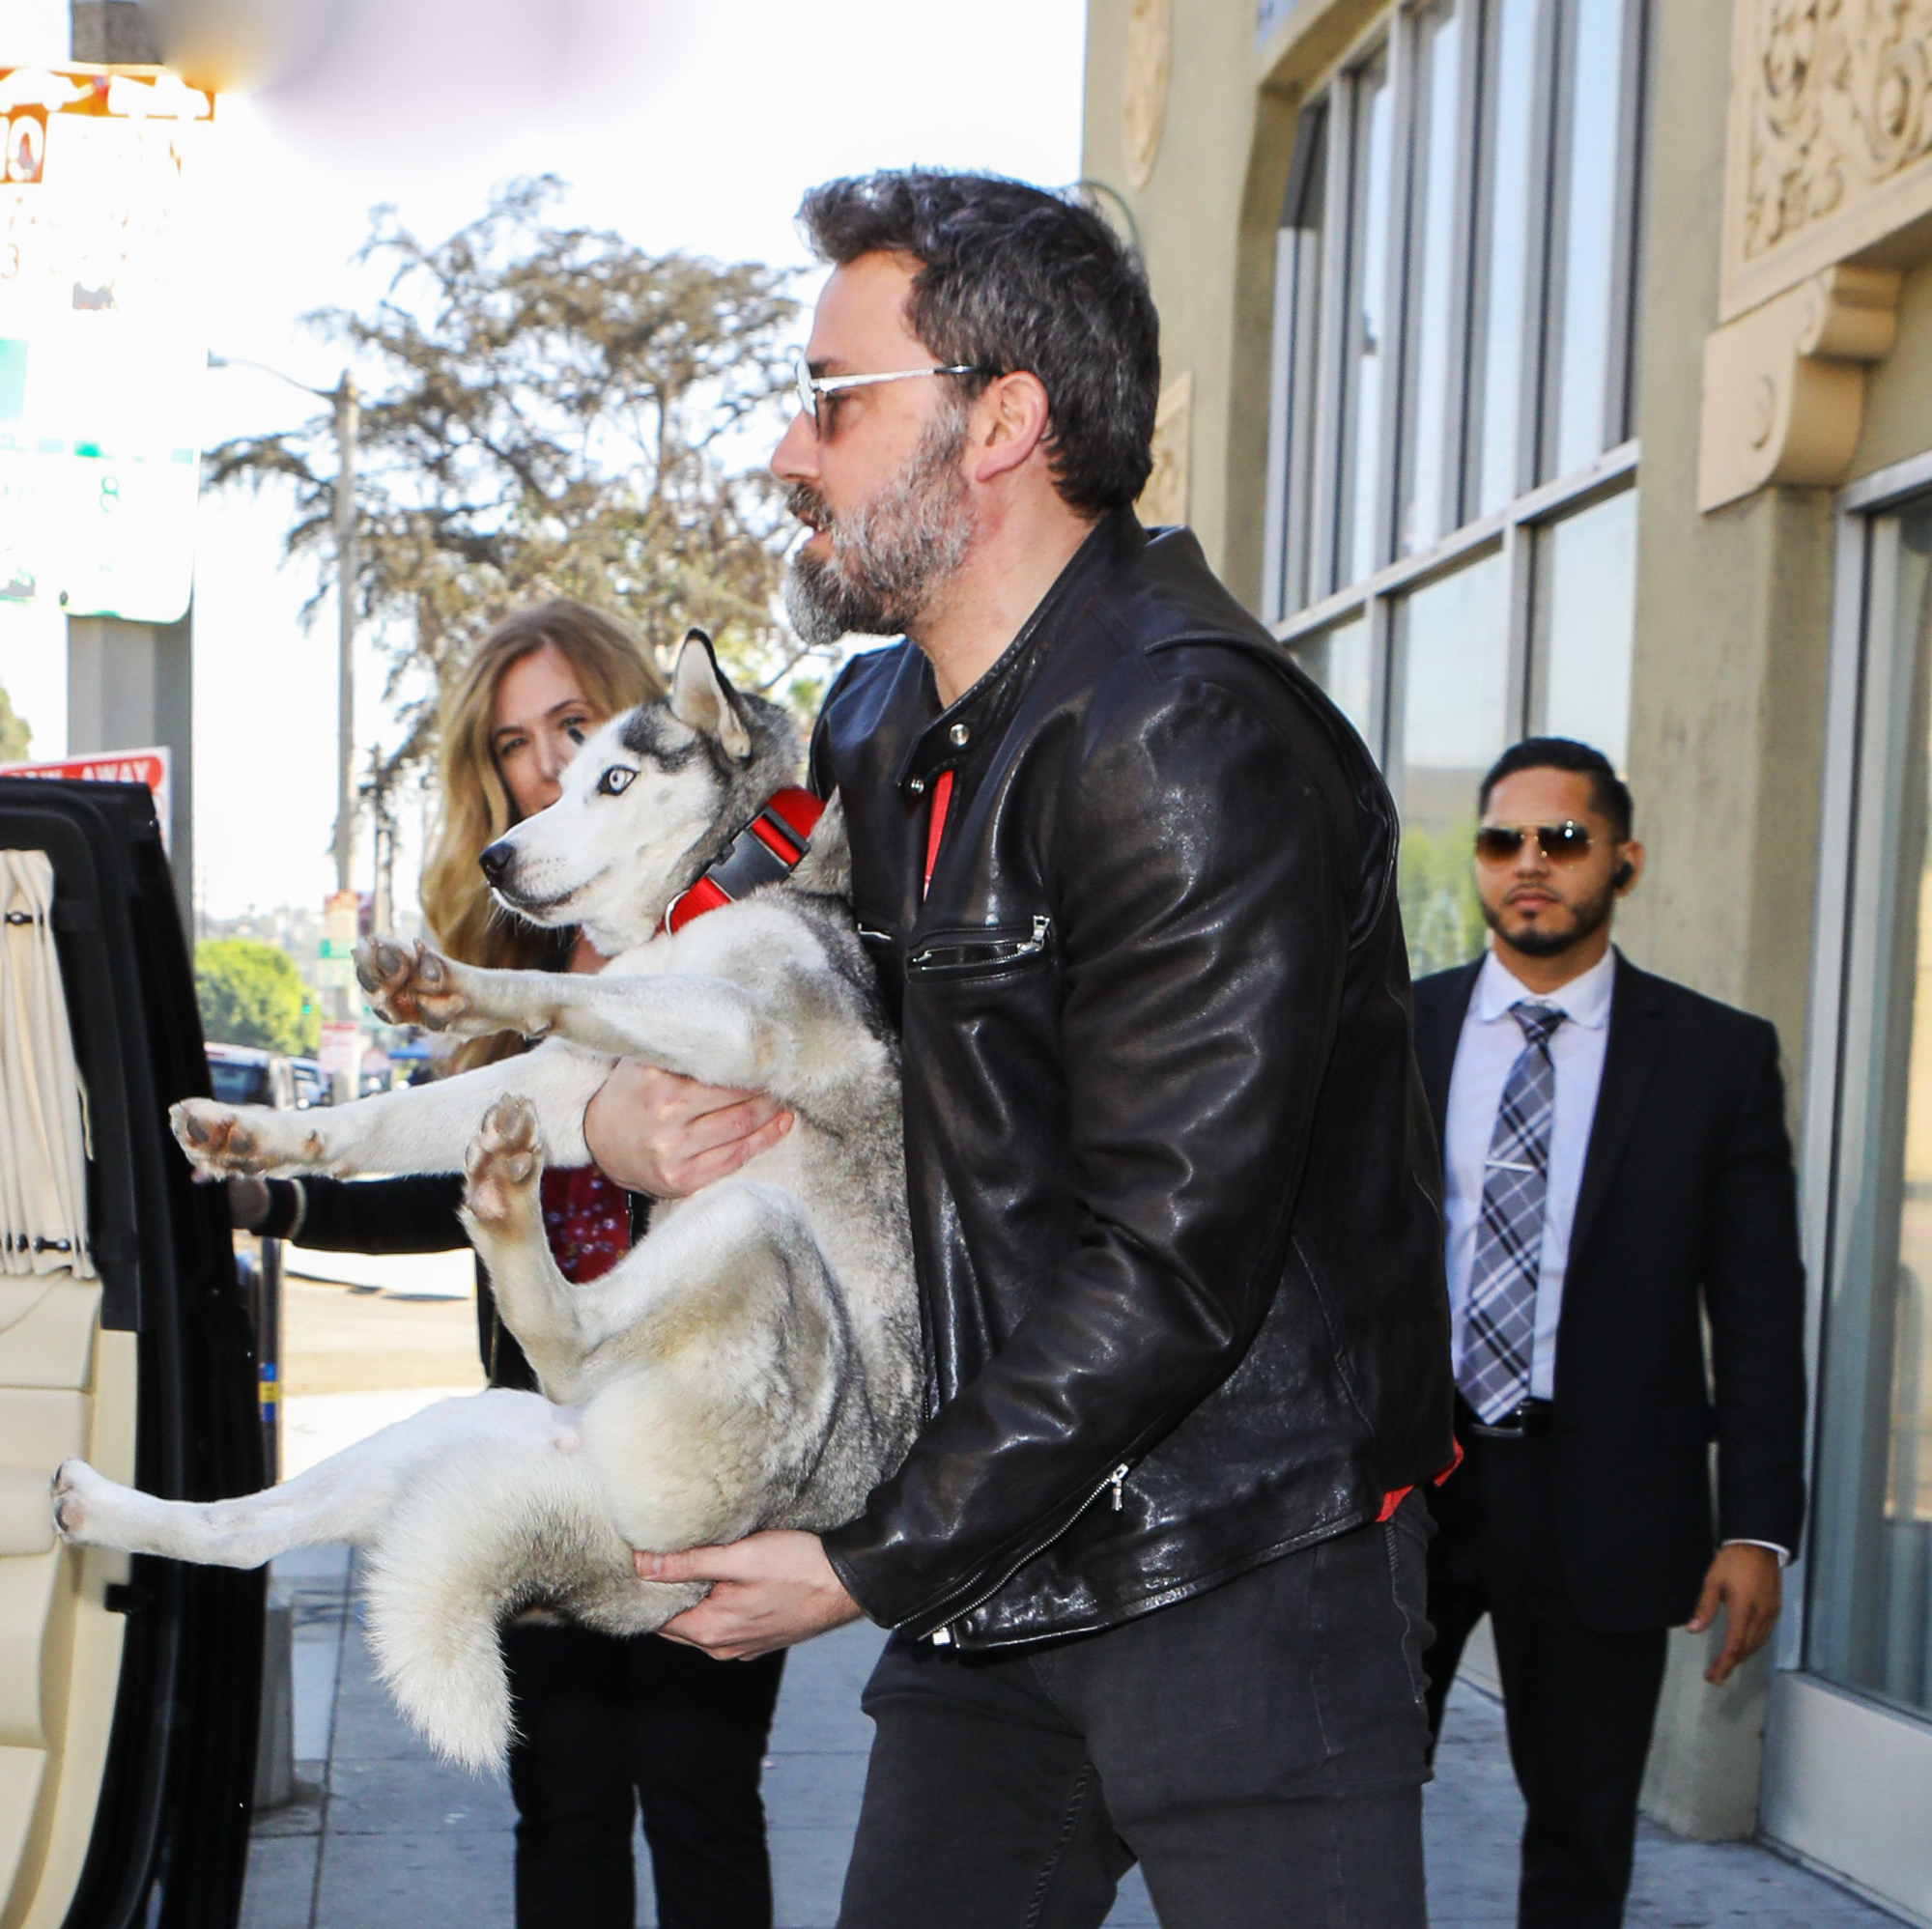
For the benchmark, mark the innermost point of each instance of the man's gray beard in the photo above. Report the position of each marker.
(892, 552)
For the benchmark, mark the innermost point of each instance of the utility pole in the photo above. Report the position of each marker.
(348, 426)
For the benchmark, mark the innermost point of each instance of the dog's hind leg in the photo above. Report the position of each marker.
(346, 1497)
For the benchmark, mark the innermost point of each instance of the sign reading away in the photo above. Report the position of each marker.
(152, 767)
(103, 338)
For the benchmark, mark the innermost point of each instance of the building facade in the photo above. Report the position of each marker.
(1567, 365)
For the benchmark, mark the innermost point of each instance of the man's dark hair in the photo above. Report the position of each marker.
(1012, 277)
(1610, 794)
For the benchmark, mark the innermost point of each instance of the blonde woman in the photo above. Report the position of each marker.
(604, 1724)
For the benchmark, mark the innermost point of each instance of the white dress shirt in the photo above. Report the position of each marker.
(1491, 1044)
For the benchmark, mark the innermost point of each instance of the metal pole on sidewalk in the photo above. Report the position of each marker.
(348, 425)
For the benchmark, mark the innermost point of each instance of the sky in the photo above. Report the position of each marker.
(681, 126)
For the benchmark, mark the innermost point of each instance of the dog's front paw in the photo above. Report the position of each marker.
(410, 984)
(232, 1141)
(503, 1162)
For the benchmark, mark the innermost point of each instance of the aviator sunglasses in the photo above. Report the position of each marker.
(1561, 843)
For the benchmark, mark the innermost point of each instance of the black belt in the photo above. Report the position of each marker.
(1532, 1416)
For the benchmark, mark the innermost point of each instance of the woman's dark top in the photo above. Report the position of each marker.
(415, 1214)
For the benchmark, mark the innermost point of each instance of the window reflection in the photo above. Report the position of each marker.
(1429, 508)
(1585, 615)
(1588, 237)
(1452, 653)
(1369, 323)
(1338, 660)
(1509, 173)
(1871, 1607)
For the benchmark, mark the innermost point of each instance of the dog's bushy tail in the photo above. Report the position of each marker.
(495, 1529)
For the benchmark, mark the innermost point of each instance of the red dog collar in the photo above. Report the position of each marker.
(766, 851)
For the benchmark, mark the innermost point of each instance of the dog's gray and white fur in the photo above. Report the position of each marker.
(753, 1363)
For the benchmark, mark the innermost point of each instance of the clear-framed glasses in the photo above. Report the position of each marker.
(809, 387)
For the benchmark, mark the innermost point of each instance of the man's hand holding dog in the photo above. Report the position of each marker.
(768, 1591)
(656, 1133)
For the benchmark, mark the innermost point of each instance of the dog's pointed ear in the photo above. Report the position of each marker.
(701, 699)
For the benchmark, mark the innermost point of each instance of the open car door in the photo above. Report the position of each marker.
(129, 1689)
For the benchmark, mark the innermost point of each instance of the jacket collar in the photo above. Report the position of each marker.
(951, 737)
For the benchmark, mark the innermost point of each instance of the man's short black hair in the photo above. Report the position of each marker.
(1610, 794)
(1014, 277)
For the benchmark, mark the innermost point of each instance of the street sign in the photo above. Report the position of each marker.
(341, 917)
(103, 338)
(153, 767)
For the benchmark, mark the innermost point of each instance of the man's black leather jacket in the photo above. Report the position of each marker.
(1173, 1186)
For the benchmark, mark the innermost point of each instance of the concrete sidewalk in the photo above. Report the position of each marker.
(380, 1833)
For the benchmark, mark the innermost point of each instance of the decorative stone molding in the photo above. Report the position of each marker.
(1164, 499)
(1828, 197)
(1784, 384)
(1150, 59)
(1831, 142)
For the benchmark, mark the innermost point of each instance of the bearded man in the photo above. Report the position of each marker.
(1154, 1567)
(1619, 1182)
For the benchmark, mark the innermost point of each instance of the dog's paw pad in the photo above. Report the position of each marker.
(504, 1159)
(218, 1139)
(71, 1479)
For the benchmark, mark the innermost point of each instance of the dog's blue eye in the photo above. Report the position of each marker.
(616, 779)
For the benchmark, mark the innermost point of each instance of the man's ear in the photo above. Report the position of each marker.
(701, 699)
(1014, 411)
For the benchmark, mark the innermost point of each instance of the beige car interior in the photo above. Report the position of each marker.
(65, 1387)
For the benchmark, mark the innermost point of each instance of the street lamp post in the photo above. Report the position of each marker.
(348, 423)
(348, 428)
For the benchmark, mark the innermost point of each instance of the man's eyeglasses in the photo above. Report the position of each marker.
(1567, 842)
(809, 388)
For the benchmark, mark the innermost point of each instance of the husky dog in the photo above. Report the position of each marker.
(753, 1362)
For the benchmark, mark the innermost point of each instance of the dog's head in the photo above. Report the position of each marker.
(650, 800)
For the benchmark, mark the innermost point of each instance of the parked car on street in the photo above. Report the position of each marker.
(242, 1075)
(312, 1086)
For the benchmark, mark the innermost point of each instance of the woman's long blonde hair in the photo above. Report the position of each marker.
(475, 808)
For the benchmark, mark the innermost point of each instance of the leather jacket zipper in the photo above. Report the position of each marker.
(957, 952)
(942, 1636)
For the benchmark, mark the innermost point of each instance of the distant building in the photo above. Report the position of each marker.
(1567, 365)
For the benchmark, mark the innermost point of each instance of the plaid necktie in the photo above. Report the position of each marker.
(1500, 1324)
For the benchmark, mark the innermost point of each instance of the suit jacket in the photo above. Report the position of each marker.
(1686, 1212)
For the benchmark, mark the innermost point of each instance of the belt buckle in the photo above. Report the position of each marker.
(1511, 1426)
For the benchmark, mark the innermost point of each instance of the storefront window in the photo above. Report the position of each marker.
(1452, 653)
(1870, 1620)
(1584, 618)
(1509, 165)
(1338, 660)
(1368, 320)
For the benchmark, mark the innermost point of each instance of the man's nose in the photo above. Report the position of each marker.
(495, 861)
(796, 457)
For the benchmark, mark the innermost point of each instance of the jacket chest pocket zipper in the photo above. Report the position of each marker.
(957, 952)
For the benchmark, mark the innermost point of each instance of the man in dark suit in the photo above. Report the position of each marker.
(1617, 1174)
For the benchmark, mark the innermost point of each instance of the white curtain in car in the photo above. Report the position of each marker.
(43, 1130)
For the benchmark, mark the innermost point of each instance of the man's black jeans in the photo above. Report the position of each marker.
(1259, 1750)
